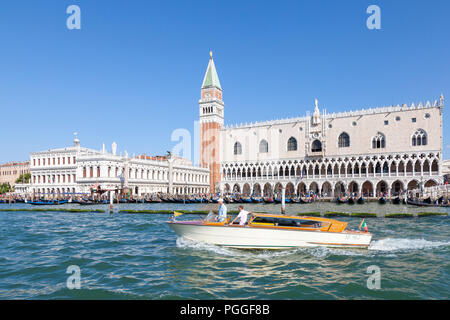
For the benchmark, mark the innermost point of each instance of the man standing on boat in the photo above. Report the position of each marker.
(222, 211)
(242, 216)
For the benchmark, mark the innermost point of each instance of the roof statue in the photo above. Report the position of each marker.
(316, 115)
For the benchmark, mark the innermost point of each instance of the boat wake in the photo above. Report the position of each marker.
(189, 244)
(399, 244)
(388, 245)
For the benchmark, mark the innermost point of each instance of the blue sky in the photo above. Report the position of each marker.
(132, 74)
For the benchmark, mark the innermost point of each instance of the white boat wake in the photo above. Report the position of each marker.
(399, 244)
(387, 245)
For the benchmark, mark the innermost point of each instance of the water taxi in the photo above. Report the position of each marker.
(272, 231)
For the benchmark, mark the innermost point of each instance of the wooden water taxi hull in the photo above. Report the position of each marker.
(246, 237)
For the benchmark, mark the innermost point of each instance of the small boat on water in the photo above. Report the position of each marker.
(271, 231)
(396, 200)
(257, 200)
(425, 204)
(279, 200)
(351, 200)
(268, 200)
(361, 200)
(48, 202)
(339, 200)
(382, 200)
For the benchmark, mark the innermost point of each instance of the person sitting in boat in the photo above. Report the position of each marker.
(243, 214)
(222, 214)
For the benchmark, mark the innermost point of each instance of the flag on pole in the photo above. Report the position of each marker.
(363, 225)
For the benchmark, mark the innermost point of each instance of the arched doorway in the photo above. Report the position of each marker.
(257, 190)
(268, 190)
(413, 184)
(353, 187)
(313, 187)
(290, 190)
(397, 188)
(382, 188)
(339, 189)
(326, 189)
(367, 189)
(301, 189)
(430, 183)
(277, 190)
(246, 190)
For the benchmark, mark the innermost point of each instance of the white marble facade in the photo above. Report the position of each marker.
(77, 170)
(388, 149)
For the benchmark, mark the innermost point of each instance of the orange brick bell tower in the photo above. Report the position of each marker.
(211, 121)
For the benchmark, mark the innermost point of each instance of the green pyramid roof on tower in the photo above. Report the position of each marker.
(211, 78)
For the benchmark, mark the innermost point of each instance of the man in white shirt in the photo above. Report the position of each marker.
(243, 215)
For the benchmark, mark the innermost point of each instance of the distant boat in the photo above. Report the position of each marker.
(268, 200)
(361, 200)
(257, 199)
(382, 200)
(351, 200)
(427, 200)
(424, 204)
(339, 200)
(396, 200)
(48, 202)
(279, 200)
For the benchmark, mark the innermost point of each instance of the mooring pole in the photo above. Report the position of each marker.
(111, 202)
(283, 200)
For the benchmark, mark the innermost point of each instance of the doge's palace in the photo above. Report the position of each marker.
(368, 151)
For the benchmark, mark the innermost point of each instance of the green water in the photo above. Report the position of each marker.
(137, 256)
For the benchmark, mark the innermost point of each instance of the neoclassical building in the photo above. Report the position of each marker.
(76, 170)
(388, 149)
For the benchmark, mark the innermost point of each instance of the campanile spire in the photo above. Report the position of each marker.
(211, 114)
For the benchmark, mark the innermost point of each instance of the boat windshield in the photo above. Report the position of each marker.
(211, 217)
(286, 222)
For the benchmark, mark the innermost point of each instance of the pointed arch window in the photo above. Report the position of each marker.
(316, 146)
(419, 138)
(263, 146)
(344, 140)
(292, 144)
(237, 148)
(379, 141)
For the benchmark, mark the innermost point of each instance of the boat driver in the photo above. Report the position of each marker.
(243, 214)
(222, 214)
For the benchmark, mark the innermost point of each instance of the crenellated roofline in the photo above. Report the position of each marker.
(344, 114)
